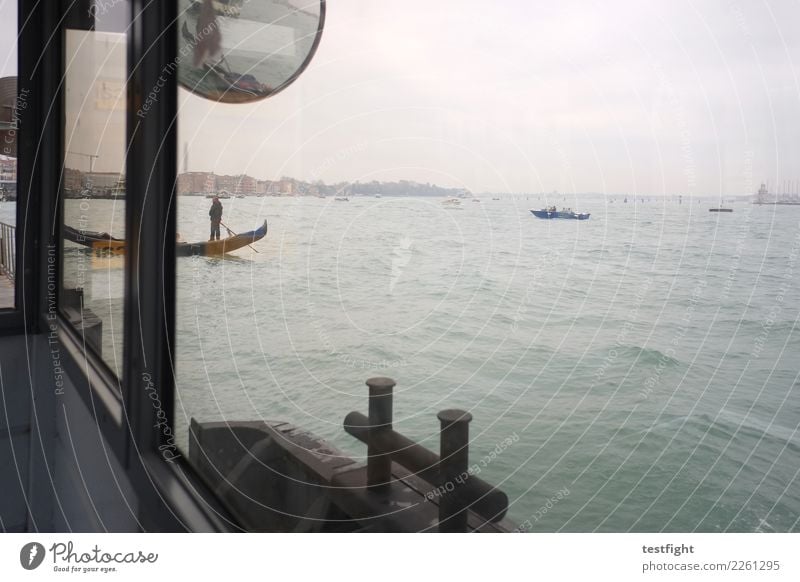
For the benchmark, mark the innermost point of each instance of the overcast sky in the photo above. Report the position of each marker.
(8, 38)
(521, 96)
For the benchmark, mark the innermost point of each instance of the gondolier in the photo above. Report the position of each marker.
(216, 217)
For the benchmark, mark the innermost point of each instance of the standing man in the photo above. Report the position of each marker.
(216, 217)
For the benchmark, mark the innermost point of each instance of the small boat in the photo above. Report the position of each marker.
(342, 199)
(103, 242)
(720, 209)
(99, 241)
(563, 213)
(451, 202)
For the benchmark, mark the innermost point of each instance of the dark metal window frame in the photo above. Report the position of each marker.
(171, 497)
(182, 502)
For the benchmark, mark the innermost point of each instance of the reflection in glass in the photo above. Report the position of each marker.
(93, 186)
(236, 51)
(11, 104)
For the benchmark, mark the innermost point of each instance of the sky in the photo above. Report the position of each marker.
(692, 98)
(8, 38)
(696, 98)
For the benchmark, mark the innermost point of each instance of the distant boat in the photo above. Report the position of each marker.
(342, 199)
(451, 202)
(102, 241)
(784, 200)
(720, 209)
(495, 198)
(377, 195)
(222, 195)
(563, 213)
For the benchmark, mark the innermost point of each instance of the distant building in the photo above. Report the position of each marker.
(196, 183)
(72, 179)
(101, 181)
(263, 186)
(8, 170)
(246, 185)
(286, 187)
(227, 183)
(8, 178)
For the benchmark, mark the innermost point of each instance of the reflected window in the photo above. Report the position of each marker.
(93, 179)
(11, 103)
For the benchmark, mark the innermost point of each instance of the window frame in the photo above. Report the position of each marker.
(171, 497)
(150, 283)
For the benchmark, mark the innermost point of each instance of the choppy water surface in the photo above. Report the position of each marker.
(645, 361)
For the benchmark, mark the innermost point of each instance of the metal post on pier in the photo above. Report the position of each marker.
(453, 469)
(379, 463)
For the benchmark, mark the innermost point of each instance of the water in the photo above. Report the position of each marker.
(641, 364)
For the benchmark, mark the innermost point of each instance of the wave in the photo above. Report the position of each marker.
(726, 426)
(644, 356)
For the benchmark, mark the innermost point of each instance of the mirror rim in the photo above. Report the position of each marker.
(292, 78)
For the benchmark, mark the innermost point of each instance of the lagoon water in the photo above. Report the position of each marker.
(645, 361)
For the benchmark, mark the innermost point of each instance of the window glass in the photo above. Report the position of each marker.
(11, 103)
(93, 178)
(545, 213)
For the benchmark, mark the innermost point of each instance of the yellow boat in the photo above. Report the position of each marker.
(102, 242)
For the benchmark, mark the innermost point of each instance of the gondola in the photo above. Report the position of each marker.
(103, 242)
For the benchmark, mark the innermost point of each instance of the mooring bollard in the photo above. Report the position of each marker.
(379, 464)
(453, 469)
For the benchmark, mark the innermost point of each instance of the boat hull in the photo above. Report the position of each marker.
(551, 214)
(220, 247)
(105, 243)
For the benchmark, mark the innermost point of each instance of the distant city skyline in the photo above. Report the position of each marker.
(626, 96)
(623, 96)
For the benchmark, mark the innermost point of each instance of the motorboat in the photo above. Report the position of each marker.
(567, 213)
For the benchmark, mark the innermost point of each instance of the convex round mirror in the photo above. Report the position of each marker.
(239, 51)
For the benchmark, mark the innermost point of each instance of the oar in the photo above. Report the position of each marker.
(234, 234)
